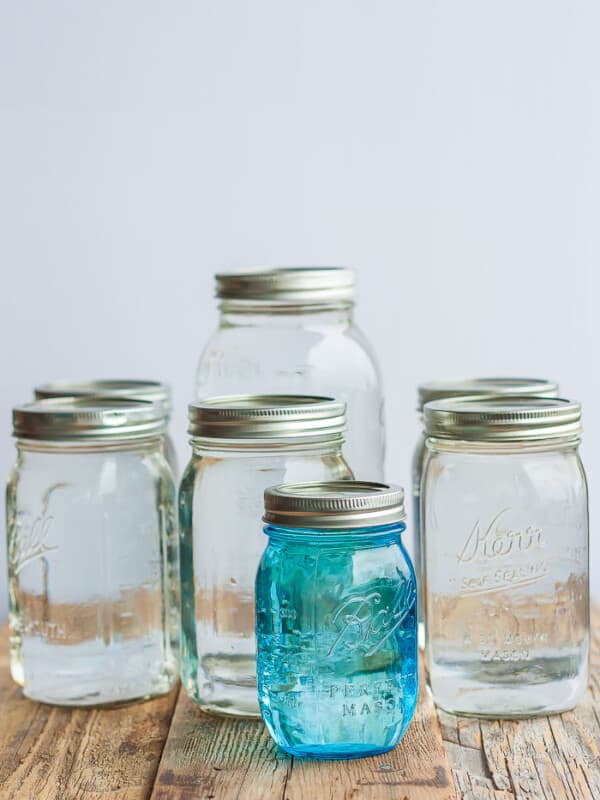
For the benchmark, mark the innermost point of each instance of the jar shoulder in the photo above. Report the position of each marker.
(104, 472)
(361, 562)
(557, 475)
(235, 352)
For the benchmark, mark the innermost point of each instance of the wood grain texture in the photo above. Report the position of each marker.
(143, 751)
(211, 758)
(547, 758)
(207, 758)
(51, 753)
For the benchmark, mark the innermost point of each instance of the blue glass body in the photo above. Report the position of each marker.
(336, 625)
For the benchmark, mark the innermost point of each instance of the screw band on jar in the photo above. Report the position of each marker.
(267, 417)
(334, 505)
(503, 419)
(88, 418)
(442, 390)
(151, 391)
(288, 284)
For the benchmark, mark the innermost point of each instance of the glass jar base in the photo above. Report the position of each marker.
(225, 699)
(327, 752)
(464, 696)
(215, 710)
(93, 700)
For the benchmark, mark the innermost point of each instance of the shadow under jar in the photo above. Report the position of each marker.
(240, 445)
(336, 620)
(444, 390)
(92, 553)
(505, 520)
(291, 330)
(127, 388)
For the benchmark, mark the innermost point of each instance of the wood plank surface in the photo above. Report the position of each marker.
(207, 758)
(51, 753)
(168, 750)
(546, 758)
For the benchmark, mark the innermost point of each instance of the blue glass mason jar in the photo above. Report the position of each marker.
(336, 619)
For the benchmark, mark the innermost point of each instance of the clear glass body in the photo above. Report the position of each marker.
(263, 348)
(337, 640)
(170, 454)
(92, 562)
(220, 507)
(506, 559)
(418, 543)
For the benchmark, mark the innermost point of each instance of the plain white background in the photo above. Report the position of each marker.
(447, 150)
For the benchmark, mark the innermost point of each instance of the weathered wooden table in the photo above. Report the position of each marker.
(167, 750)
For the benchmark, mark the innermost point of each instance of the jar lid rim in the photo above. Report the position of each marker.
(334, 505)
(128, 388)
(503, 418)
(88, 417)
(460, 387)
(301, 284)
(266, 417)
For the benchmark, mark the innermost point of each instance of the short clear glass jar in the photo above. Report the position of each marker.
(336, 620)
(291, 330)
(92, 553)
(240, 445)
(441, 390)
(150, 391)
(505, 521)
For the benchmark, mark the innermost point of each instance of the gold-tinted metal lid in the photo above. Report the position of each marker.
(60, 419)
(334, 505)
(153, 391)
(503, 419)
(267, 417)
(288, 284)
(438, 390)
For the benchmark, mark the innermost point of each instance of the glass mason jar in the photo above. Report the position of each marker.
(240, 445)
(292, 331)
(505, 520)
(92, 552)
(440, 390)
(336, 620)
(151, 391)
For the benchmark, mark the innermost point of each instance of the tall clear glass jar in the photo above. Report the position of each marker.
(92, 552)
(505, 520)
(292, 330)
(336, 619)
(240, 445)
(150, 391)
(440, 390)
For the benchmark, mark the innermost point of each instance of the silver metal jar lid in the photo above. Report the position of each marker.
(88, 418)
(334, 505)
(267, 417)
(438, 390)
(153, 391)
(503, 419)
(288, 284)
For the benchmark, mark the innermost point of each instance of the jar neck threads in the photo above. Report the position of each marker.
(262, 312)
(330, 445)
